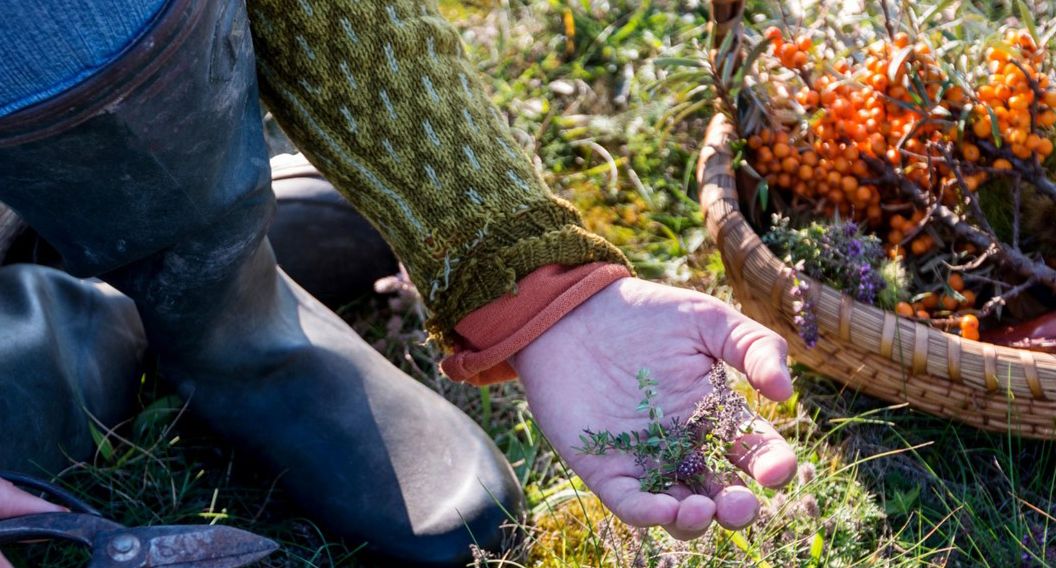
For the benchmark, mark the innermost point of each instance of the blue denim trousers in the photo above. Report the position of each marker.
(50, 46)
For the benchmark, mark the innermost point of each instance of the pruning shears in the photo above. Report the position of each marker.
(114, 545)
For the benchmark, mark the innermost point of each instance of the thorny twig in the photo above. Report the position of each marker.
(1003, 298)
(968, 196)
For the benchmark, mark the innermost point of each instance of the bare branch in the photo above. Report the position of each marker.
(1010, 257)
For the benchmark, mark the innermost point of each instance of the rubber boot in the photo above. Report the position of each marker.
(154, 174)
(69, 357)
(320, 240)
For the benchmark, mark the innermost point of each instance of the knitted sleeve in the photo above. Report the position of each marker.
(380, 97)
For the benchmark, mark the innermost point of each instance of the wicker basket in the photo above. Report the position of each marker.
(875, 351)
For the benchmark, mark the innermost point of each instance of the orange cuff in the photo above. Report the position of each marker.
(489, 336)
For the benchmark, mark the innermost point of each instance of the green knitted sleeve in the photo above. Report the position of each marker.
(379, 95)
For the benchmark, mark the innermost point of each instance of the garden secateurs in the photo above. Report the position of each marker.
(116, 546)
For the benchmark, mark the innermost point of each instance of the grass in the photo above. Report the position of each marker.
(880, 485)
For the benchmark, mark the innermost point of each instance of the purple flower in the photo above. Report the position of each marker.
(870, 283)
(806, 316)
(850, 229)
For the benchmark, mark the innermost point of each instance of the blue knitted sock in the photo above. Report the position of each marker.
(49, 46)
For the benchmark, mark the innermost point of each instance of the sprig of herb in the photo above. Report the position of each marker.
(676, 451)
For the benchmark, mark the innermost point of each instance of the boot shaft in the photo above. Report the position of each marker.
(154, 149)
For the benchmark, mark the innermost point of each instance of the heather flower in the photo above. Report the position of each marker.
(805, 315)
(721, 412)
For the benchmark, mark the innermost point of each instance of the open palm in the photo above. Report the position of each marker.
(580, 374)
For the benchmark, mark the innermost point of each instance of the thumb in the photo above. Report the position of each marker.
(14, 502)
(749, 347)
(4, 563)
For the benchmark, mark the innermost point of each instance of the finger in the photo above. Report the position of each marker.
(14, 502)
(625, 498)
(4, 563)
(695, 513)
(763, 454)
(749, 347)
(735, 507)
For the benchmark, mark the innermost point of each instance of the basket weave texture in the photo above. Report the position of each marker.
(872, 350)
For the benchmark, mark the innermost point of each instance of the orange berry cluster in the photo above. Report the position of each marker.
(898, 105)
(793, 54)
(1012, 88)
(936, 301)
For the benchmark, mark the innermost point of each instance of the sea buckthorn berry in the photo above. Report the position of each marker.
(849, 184)
(982, 128)
(969, 299)
(918, 247)
(773, 33)
(904, 309)
(1045, 148)
(970, 152)
(804, 43)
(955, 281)
(970, 333)
(949, 303)
(969, 321)
(1002, 164)
(930, 301)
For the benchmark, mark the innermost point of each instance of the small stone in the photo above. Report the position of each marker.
(563, 88)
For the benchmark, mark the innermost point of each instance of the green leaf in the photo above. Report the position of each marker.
(763, 189)
(934, 10)
(897, 62)
(1028, 19)
(677, 62)
(901, 502)
(746, 65)
(102, 443)
(993, 126)
(817, 548)
(157, 415)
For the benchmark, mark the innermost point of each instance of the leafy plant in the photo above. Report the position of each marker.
(682, 451)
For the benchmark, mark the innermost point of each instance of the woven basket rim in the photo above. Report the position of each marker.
(1005, 370)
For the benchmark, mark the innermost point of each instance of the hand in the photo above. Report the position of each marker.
(14, 503)
(580, 374)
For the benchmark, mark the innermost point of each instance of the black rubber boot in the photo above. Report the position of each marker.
(69, 357)
(320, 240)
(154, 174)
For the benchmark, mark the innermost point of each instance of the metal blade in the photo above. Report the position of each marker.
(184, 546)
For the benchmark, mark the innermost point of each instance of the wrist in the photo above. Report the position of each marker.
(490, 336)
